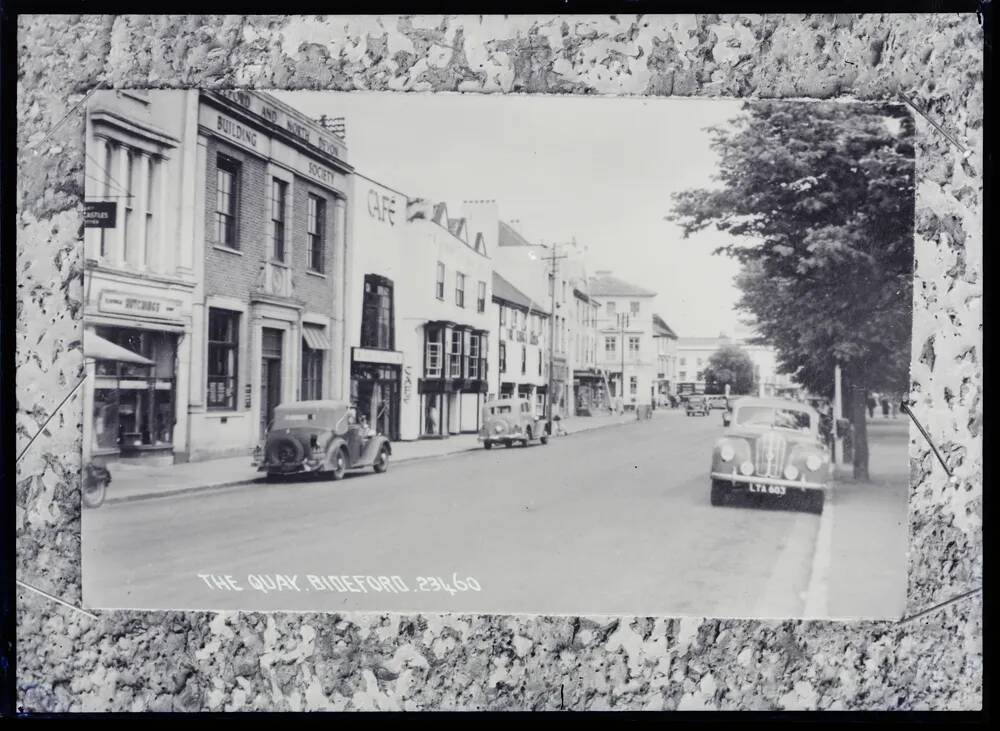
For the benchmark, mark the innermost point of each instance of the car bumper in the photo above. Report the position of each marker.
(757, 480)
(284, 469)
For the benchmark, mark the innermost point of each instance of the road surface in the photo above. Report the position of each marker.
(609, 521)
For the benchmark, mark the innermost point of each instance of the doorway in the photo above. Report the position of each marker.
(270, 376)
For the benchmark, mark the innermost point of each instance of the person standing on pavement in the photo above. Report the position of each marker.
(871, 406)
(885, 406)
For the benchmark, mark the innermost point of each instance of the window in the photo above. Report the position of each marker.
(503, 316)
(634, 307)
(106, 190)
(227, 196)
(683, 376)
(315, 229)
(149, 232)
(610, 309)
(481, 303)
(312, 373)
(376, 314)
(473, 357)
(684, 361)
(432, 354)
(633, 385)
(700, 361)
(633, 345)
(503, 357)
(524, 360)
(460, 289)
(455, 355)
(223, 350)
(610, 345)
(278, 196)
(439, 289)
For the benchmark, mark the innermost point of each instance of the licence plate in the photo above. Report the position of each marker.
(767, 489)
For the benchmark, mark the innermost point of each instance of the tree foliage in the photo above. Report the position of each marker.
(820, 199)
(731, 365)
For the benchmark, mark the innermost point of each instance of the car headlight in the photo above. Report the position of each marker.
(726, 452)
(791, 472)
(498, 428)
(747, 468)
(813, 462)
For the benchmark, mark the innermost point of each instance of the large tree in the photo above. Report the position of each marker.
(819, 199)
(730, 365)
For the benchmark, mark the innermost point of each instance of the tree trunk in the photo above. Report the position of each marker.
(859, 424)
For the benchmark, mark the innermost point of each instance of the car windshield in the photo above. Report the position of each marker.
(500, 410)
(771, 417)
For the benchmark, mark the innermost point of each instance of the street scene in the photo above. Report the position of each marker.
(390, 352)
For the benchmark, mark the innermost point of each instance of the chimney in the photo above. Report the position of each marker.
(481, 216)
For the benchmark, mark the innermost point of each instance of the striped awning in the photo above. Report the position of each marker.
(315, 337)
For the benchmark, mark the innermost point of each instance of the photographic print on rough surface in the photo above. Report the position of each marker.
(512, 354)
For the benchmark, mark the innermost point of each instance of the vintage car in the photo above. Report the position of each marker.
(718, 402)
(772, 447)
(322, 438)
(696, 406)
(510, 420)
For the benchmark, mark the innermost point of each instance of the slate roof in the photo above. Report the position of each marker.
(606, 285)
(504, 290)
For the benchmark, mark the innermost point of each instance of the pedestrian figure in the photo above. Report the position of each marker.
(559, 430)
(871, 406)
(885, 407)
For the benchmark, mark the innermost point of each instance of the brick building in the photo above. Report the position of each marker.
(271, 187)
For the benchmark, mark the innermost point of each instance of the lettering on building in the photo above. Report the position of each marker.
(382, 207)
(237, 131)
(407, 384)
(323, 174)
(129, 304)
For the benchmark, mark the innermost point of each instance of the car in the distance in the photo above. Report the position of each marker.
(509, 420)
(718, 402)
(696, 406)
(772, 447)
(320, 438)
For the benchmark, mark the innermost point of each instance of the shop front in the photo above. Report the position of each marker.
(454, 386)
(589, 392)
(376, 388)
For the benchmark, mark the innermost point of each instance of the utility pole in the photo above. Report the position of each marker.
(623, 322)
(552, 258)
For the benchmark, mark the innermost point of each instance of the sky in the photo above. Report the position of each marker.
(597, 169)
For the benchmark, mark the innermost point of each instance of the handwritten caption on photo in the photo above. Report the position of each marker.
(269, 583)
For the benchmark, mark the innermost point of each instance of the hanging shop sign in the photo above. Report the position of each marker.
(99, 214)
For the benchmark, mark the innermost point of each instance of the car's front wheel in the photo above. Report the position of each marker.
(339, 464)
(720, 493)
(382, 460)
(487, 444)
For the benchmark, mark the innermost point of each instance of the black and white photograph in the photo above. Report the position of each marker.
(500, 354)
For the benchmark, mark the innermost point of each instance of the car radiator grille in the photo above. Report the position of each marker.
(770, 455)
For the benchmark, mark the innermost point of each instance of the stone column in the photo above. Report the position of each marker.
(182, 396)
(140, 208)
(115, 252)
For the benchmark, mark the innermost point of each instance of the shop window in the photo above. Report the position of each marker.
(134, 404)
(279, 190)
(433, 353)
(439, 284)
(223, 351)
(312, 373)
(227, 198)
(316, 228)
(377, 311)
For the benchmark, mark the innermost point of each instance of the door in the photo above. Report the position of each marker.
(270, 376)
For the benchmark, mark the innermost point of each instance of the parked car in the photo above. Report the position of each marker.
(772, 447)
(696, 406)
(718, 402)
(510, 420)
(320, 437)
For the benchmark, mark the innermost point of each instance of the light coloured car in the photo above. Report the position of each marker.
(772, 447)
(512, 420)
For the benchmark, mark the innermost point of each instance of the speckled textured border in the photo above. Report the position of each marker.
(68, 661)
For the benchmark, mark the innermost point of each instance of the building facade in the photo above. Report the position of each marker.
(666, 358)
(140, 275)
(627, 352)
(693, 355)
(520, 363)
(271, 227)
(448, 319)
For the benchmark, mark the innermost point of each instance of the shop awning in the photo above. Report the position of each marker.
(94, 346)
(315, 337)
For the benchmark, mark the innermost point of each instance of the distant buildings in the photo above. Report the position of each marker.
(665, 340)
(693, 354)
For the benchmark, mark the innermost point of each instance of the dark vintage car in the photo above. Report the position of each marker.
(320, 437)
(772, 447)
(509, 420)
(696, 406)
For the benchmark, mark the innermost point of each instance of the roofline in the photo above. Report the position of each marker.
(379, 182)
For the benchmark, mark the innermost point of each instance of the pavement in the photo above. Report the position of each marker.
(607, 521)
(142, 482)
